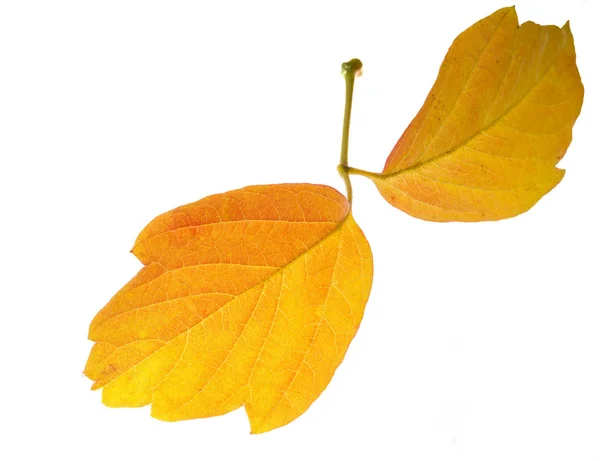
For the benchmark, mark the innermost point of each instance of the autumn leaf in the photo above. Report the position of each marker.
(249, 298)
(499, 117)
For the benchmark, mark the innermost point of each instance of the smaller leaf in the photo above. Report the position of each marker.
(247, 298)
(499, 117)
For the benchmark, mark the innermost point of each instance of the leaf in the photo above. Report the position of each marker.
(250, 298)
(499, 117)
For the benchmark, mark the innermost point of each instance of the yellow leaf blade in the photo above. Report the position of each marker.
(247, 298)
(499, 117)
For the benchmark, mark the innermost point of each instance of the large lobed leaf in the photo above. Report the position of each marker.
(250, 298)
(499, 117)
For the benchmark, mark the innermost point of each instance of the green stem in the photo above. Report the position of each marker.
(350, 70)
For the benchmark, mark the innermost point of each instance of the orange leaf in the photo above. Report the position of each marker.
(485, 144)
(250, 298)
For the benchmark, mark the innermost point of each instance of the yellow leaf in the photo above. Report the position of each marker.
(250, 298)
(499, 117)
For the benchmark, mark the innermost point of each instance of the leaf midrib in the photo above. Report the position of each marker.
(484, 129)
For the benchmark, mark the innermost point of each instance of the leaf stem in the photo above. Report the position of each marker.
(350, 70)
(359, 172)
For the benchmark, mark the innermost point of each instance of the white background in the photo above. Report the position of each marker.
(479, 342)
